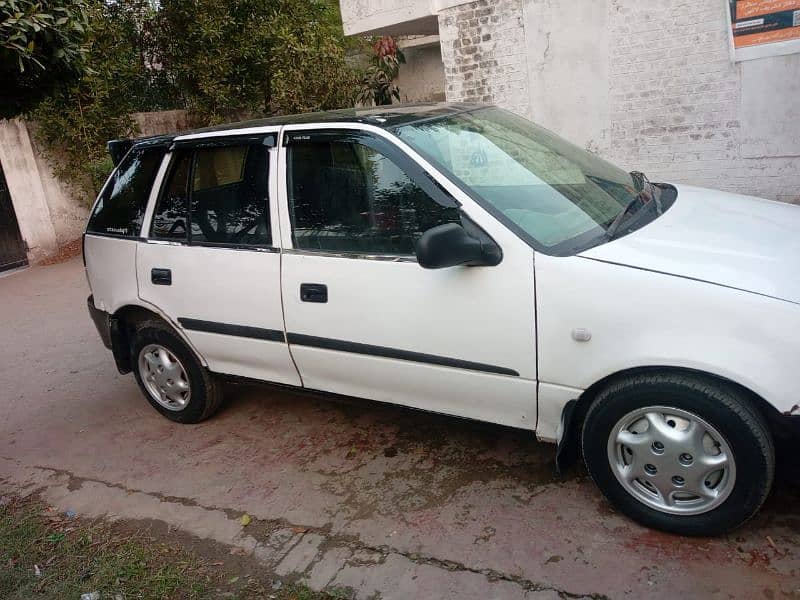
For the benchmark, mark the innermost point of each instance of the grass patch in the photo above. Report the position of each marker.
(45, 554)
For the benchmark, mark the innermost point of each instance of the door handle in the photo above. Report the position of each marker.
(313, 292)
(161, 276)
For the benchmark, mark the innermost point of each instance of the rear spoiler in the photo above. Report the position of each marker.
(118, 148)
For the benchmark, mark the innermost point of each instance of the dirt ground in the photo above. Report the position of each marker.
(343, 494)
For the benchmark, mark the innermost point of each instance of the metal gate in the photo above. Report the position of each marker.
(12, 248)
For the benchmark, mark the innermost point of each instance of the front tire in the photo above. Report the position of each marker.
(170, 375)
(679, 453)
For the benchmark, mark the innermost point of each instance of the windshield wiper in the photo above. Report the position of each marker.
(642, 183)
(645, 192)
(612, 229)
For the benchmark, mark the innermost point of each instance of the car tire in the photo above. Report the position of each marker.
(679, 453)
(171, 376)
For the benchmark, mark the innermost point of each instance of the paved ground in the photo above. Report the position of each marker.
(389, 502)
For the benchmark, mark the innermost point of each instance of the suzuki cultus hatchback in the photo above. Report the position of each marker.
(459, 259)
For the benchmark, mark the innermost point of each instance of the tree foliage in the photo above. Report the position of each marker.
(42, 43)
(220, 60)
(256, 56)
(78, 118)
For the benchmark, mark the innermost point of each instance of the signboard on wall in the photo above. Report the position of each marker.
(764, 27)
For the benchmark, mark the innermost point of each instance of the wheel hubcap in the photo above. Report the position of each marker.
(164, 377)
(671, 460)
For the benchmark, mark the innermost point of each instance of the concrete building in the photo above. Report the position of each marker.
(653, 85)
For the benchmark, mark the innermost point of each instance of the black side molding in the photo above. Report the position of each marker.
(300, 339)
(270, 335)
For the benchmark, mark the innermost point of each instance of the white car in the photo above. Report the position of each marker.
(459, 259)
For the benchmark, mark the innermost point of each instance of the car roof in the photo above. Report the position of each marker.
(382, 116)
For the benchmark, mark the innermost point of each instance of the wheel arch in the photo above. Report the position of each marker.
(123, 323)
(574, 412)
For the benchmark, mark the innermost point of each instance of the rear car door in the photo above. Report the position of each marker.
(209, 261)
(364, 319)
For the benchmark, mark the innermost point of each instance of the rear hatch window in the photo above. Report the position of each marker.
(120, 209)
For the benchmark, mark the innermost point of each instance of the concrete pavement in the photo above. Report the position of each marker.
(388, 502)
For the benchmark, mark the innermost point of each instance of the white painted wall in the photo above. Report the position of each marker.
(682, 111)
(770, 107)
(568, 69)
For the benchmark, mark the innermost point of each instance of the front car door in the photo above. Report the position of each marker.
(211, 263)
(363, 318)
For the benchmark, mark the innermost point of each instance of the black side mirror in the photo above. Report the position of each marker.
(451, 244)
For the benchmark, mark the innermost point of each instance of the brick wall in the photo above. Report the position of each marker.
(660, 95)
(676, 100)
(483, 50)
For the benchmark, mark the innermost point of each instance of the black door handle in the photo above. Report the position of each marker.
(161, 276)
(313, 292)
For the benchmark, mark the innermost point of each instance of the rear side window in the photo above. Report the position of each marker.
(120, 208)
(229, 196)
(216, 196)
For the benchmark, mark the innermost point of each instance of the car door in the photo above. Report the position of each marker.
(363, 318)
(210, 262)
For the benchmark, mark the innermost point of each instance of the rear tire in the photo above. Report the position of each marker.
(679, 453)
(171, 376)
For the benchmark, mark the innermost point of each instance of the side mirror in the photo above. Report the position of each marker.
(451, 244)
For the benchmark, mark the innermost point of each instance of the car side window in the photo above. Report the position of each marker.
(121, 207)
(345, 196)
(171, 213)
(229, 203)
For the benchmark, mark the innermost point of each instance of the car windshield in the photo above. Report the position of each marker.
(563, 197)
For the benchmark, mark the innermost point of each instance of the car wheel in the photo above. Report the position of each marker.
(171, 377)
(679, 453)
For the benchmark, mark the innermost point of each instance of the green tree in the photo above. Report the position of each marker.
(220, 60)
(256, 56)
(42, 45)
(77, 119)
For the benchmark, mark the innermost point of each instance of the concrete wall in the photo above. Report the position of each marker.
(67, 215)
(24, 181)
(165, 121)
(648, 84)
(388, 16)
(421, 78)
